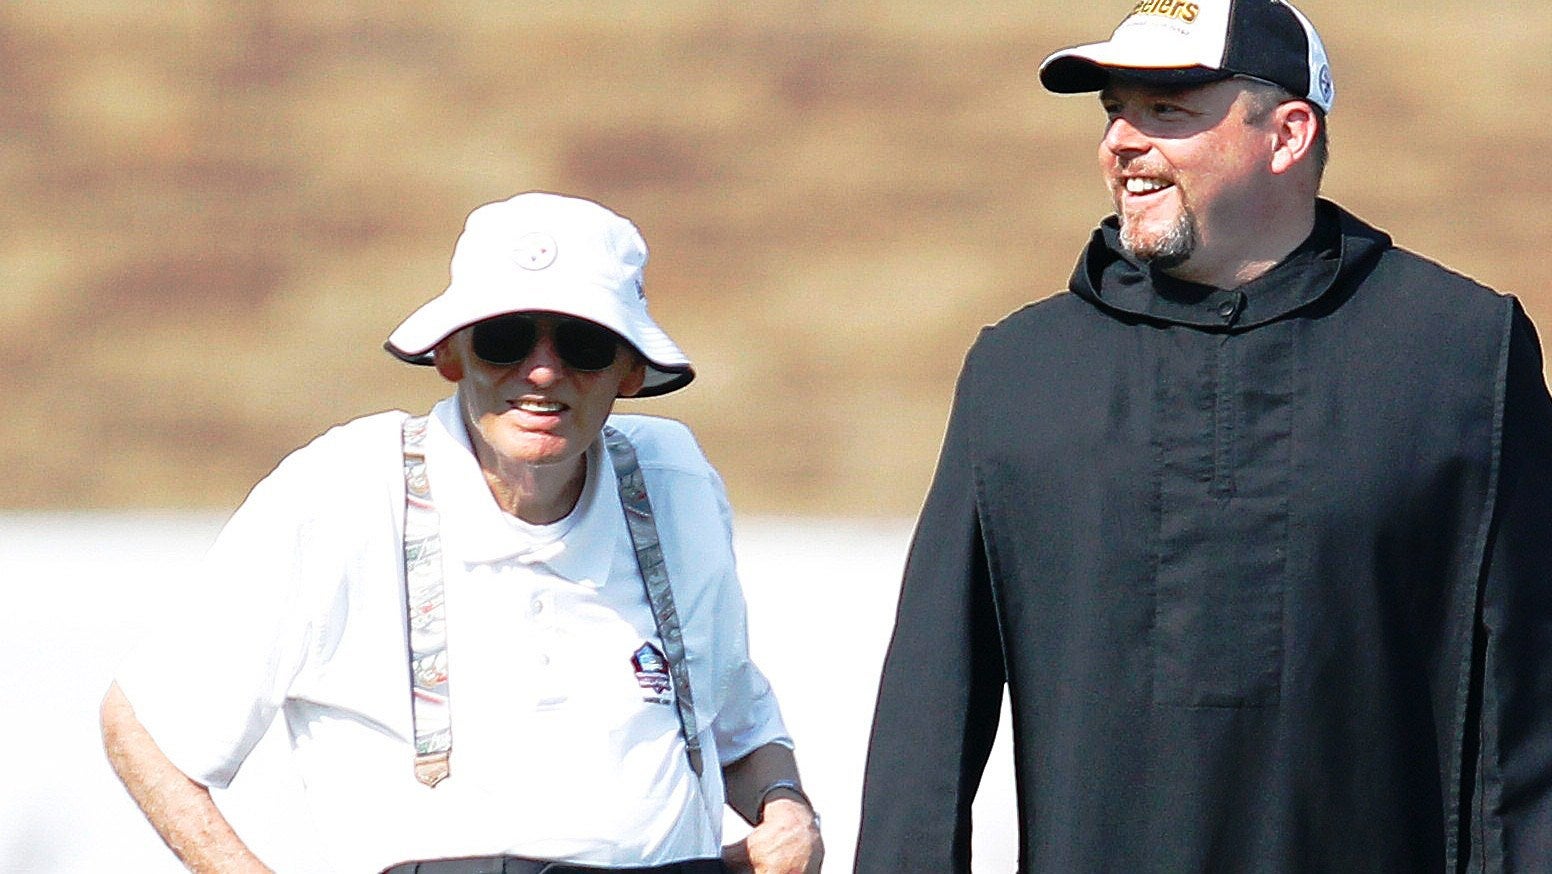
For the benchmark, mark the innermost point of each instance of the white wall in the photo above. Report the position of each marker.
(821, 599)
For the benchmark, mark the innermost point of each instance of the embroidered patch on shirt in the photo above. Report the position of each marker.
(652, 673)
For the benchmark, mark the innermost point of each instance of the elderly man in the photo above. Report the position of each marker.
(1254, 522)
(505, 637)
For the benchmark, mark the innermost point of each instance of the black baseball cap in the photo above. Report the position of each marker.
(1192, 42)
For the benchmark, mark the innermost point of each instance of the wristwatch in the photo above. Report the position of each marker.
(787, 789)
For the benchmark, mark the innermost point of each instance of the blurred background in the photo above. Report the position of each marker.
(216, 210)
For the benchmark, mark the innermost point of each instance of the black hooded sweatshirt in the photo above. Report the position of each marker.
(1267, 573)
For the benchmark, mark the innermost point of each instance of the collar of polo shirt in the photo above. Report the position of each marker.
(477, 531)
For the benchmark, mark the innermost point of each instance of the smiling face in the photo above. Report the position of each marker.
(532, 421)
(1189, 171)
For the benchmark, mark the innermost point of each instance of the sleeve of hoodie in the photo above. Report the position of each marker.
(941, 688)
(1513, 818)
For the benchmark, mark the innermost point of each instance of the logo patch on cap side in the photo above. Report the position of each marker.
(535, 251)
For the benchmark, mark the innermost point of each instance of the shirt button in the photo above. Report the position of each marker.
(536, 607)
(1226, 310)
(544, 661)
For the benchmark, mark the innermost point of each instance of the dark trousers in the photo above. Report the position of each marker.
(519, 865)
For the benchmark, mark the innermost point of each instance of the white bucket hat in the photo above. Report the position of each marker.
(541, 252)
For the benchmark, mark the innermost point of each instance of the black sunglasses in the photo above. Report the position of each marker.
(507, 340)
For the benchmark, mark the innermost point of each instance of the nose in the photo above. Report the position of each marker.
(1122, 138)
(543, 366)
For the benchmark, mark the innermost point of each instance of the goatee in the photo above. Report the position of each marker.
(1164, 251)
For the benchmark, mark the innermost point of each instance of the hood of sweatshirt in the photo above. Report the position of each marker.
(1340, 247)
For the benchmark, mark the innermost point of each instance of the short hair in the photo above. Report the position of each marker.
(1266, 96)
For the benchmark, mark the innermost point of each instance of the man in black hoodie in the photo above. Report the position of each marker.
(1254, 523)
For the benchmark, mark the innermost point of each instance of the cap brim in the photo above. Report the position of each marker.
(661, 381)
(1091, 67)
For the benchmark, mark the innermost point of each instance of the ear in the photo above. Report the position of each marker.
(634, 380)
(448, 358)
(1295, 125)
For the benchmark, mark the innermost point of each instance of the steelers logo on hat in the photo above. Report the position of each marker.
(535, 251)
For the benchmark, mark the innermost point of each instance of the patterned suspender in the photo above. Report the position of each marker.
(654, 575)
(427, 617)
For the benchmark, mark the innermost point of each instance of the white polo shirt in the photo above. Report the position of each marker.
(564, 747)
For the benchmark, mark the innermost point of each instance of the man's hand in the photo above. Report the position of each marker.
(786, 841)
